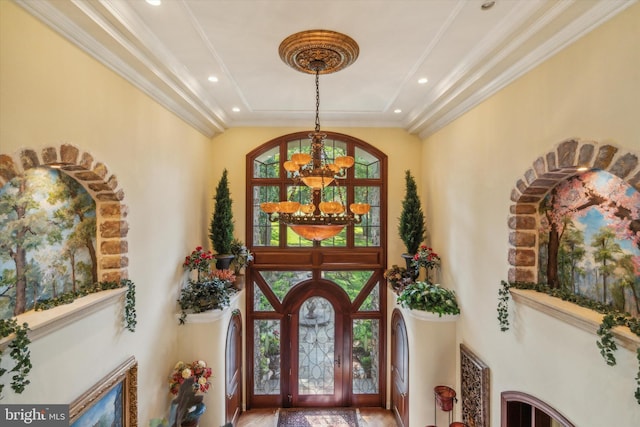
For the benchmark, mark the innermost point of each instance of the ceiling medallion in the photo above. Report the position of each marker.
(335, 50)
(322, 216)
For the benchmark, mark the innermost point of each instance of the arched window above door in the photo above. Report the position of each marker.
(364, 183)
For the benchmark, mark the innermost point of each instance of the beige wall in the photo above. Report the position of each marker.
(53, 93)
(400, 147)
(591, 90)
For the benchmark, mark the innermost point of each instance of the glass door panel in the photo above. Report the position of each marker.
(316, 347)
(364, 350)
(318, 363)
(266, 345)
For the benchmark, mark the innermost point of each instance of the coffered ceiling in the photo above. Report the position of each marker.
(466, 52)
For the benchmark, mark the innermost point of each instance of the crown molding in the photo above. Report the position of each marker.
(152, 72)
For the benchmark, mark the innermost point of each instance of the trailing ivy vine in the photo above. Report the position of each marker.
(607, 344)
(637, 394)
(19, 345)
(130, 315)
(20, 353)
(611, 319)
(503, 306)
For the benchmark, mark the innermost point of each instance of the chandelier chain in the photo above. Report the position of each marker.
(317, 100)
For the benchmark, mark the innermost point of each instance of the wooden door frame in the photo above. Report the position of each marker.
(397, 316)
(234, 395)
(292, 304)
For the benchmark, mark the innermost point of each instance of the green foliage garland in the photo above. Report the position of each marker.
(19, 345)
(221, 229)
(611, 319)
(129, 307)
(19, 353)
(412, 228)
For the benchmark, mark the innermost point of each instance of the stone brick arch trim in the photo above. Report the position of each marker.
(566, 160)
(112, 227)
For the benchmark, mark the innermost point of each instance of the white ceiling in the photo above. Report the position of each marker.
(466, 53)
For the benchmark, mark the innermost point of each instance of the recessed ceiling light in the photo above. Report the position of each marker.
(212, 79)
(235, 109)
(397, 111)
(423, 80)
(487, 5)
(582, 169)
(154, 2)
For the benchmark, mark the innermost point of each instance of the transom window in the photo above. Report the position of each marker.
(271, 183)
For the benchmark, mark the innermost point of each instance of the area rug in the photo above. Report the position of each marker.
(331, 417)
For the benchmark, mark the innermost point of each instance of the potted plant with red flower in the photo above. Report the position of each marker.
(425, 296)
(212, 288)
(198, 260)
(425, 258)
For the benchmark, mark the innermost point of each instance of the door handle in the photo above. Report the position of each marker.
(337, 361)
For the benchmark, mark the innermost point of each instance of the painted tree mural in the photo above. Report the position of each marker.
(47, 239)
(590, 239)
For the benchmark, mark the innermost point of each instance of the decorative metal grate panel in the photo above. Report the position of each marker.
(475, 389)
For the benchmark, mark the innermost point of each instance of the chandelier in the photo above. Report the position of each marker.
(317, 52)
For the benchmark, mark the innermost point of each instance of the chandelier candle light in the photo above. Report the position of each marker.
(317, 52)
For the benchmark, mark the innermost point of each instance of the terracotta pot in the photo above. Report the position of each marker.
(445, 397)
(458, 424)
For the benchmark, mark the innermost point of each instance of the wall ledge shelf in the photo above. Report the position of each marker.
(44, 322)
(429, 316)
(210, 316)
(573, 314)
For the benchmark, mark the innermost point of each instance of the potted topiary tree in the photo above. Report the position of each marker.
(221, 229)
(412, 227)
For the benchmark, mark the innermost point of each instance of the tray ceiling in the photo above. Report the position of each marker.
(467, 53)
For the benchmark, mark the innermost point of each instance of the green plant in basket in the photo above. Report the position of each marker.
(198, 297)
(429, 297)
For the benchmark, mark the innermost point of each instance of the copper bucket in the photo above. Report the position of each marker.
(445, 397)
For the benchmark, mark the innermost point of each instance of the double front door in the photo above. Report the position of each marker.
(318, 344)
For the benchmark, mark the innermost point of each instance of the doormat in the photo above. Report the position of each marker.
(332, 417)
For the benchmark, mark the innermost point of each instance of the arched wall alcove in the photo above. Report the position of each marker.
(111, 225)
(569, 158)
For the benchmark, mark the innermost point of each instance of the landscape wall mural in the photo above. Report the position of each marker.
(589, 239)
(47, 239)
